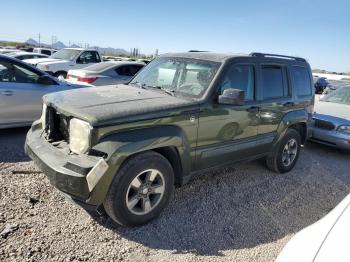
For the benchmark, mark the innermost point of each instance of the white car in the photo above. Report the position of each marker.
(26, 55)
(8, 50)
(45, 51)
(105, 73)
(325, 241)
(65, 59)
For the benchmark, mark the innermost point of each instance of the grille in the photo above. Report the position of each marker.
(57, 128)
(323, 124)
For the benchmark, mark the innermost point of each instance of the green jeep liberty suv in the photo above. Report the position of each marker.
(123, 148)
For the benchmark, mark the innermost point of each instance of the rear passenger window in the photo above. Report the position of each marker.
(301, 81)
(273, 85)
(129, 70)
(46, 52)
(240, 77)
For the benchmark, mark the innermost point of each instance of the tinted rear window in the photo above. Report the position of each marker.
(273, 82)
(301, 81)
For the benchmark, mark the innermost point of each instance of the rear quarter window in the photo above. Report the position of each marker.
(301, 81)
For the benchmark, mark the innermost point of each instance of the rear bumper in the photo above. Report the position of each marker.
(66, 172)
(330, 138)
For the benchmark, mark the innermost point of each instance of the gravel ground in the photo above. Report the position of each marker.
(243, 213)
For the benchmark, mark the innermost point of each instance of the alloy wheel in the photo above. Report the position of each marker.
(145, 192)
(289, 152)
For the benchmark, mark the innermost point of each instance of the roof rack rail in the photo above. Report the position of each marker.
(196, 51)
(277, 56)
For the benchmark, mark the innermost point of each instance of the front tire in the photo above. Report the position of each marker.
(286, 154)
(141, 190)
(61, 75)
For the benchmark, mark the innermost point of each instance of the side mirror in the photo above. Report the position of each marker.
(45, 80)
(232, 96)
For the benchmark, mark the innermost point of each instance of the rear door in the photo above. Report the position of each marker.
(275, 100)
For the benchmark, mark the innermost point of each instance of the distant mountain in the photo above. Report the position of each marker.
(60, 45)
(110, 50)
(31, 41)
(74, 46)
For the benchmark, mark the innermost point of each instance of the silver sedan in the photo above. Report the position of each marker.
(331, 120)
(105, 73)
(21, 90)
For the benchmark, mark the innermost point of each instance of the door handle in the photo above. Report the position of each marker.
(7, 93)
(253, 109)
(289, 104)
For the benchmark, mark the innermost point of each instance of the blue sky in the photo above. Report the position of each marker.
(315, 29)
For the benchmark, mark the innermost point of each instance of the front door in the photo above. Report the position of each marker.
(227, 133)
(20, 94)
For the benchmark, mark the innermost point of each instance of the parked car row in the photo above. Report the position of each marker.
(334, 85)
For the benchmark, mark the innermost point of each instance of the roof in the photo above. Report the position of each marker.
(81, 49)
(102, 66)
(23, 53)
(210, 56)
(221, 57)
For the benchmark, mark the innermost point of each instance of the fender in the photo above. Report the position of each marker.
(120, 146)
(289, 119)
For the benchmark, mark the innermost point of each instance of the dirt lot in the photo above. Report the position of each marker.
(244, 213)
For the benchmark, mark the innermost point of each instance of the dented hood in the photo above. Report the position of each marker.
(112, 104)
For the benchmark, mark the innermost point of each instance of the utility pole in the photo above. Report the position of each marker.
(39, 39)
(53, 41)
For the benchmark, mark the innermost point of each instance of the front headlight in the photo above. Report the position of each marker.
(344, 129)
(79, 136)
(43, 67)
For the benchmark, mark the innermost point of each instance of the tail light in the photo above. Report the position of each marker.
(88, 80)
(310, 108)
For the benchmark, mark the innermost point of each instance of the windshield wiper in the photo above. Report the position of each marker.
(169, 92)
(137, 83)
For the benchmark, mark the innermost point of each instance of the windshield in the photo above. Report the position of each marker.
(66, 54)
(190, 77)
(339, 96)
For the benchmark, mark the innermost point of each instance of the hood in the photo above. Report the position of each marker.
(107, 105)
(35, 61)
(340, 112)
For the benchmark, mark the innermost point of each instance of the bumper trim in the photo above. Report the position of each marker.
(66, 172)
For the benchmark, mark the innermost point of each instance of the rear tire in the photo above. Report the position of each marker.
(141, 190)
(286, 154)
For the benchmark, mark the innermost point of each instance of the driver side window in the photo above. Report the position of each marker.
(87, 57)
(16, 73)
(239, 77)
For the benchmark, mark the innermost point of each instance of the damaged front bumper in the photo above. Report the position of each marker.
(74, 175)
